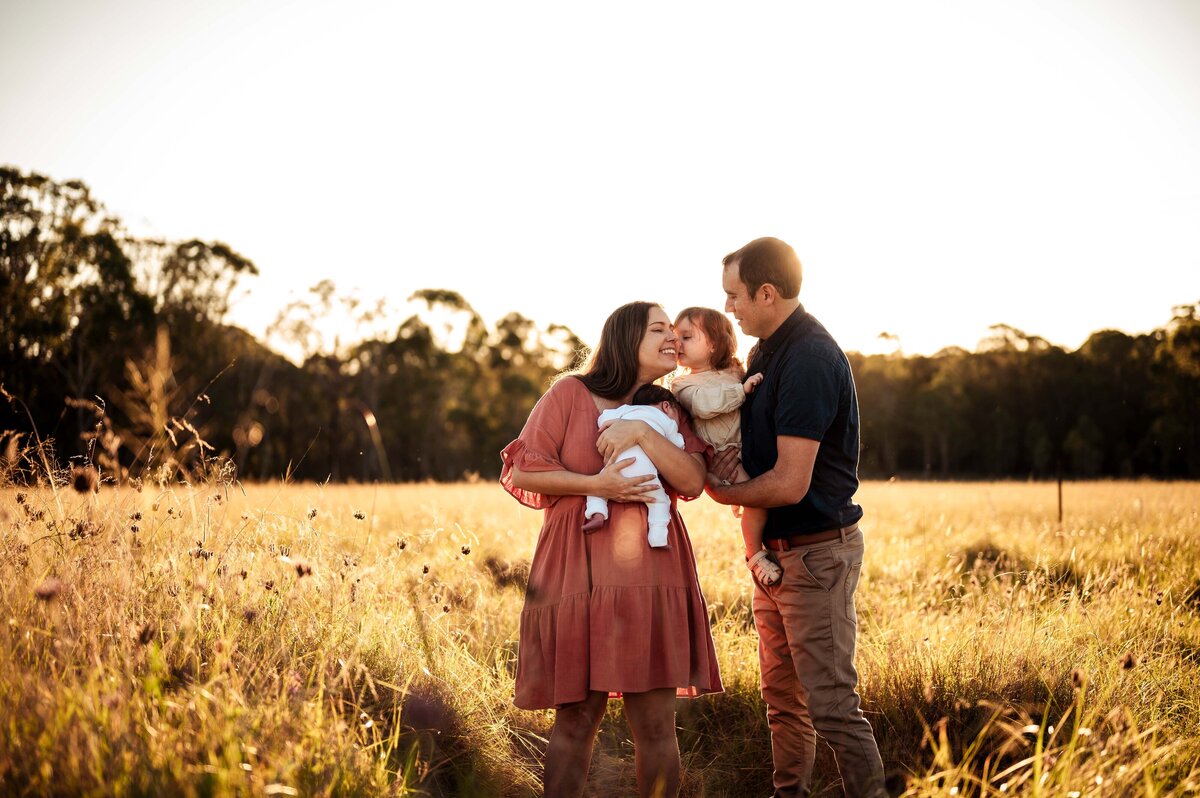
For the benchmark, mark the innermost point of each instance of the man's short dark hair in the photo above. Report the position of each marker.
(767, 260)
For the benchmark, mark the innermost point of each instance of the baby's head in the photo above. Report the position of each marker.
(706, 340)
(664, 400)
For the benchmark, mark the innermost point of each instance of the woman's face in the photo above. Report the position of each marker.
(695, 352)
(656, 353)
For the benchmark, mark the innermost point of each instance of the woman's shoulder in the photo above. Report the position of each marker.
(568, 389)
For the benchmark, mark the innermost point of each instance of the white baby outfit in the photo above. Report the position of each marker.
(658, 511)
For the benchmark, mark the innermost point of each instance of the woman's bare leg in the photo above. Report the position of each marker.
(651, 717)
(569, 752)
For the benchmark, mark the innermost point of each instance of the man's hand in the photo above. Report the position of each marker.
(725, 464)
(617, 436)
(717, 489)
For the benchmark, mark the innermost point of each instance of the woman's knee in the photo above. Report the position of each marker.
(579, 722)
(651, 718)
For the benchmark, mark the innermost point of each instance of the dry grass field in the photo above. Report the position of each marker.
(214, 640)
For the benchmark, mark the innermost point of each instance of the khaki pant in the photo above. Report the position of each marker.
(806, 629)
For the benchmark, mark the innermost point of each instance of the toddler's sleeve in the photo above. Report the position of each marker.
(539, 446)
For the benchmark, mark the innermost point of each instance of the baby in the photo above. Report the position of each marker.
(657, 407)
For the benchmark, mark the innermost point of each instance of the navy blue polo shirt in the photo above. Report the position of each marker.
(807, 391)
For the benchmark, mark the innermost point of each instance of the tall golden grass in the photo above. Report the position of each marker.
(211, 640)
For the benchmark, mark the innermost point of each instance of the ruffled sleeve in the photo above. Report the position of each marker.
(539, 446)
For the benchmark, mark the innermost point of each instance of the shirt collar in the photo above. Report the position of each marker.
(761, 354)
(768, 346)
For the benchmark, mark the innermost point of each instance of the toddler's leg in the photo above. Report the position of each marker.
(658, 515)
(762, 565)
(595, 513)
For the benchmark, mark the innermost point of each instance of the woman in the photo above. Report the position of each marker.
(606, 615)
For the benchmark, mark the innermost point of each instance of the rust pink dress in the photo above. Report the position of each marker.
(604, 611)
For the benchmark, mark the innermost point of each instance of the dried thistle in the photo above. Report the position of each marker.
(82, 530)
(359, 515)
(466, 550)
(1078, 679)
(303, 569)
(49, 589)
(1130, 661)
(402, 544)
(146, 634)
(84, 479)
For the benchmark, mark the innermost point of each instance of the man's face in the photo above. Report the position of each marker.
(740, 304)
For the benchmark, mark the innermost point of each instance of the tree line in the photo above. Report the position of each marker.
(114, 352)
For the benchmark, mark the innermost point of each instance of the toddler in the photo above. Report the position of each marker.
(712, 391)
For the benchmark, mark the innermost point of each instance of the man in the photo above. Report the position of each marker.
(800, 447)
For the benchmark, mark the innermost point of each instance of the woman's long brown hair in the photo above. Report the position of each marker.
(611, 369)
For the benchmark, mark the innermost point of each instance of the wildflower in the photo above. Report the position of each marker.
(359, 515)
(445, 608)
(49, 589)
(402, 544)
(137, 516)
(85, 479)
(82, 530)
(466, 550)
(134, 528)
(303, 569)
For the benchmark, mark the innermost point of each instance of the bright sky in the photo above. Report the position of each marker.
(939, 166)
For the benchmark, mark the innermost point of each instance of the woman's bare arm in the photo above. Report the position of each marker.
(608, 484)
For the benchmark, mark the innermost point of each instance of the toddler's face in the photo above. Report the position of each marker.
(693, 349)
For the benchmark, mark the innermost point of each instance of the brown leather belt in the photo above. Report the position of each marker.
(795, 541)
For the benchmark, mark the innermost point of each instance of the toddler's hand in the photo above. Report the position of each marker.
(752, 382)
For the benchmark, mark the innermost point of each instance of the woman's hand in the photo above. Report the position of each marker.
(612, 485)
(617, 436)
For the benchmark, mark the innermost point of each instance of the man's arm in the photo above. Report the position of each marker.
(786, 483)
